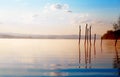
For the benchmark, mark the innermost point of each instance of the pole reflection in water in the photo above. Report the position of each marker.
(94, 51)
(79, 54)
(90, 54)
(95, 45)
(101, 45)
(85, 56)
(90, 57)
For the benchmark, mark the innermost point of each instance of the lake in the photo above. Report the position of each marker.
(58, 58)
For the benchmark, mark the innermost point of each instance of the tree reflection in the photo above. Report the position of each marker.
(116, 63)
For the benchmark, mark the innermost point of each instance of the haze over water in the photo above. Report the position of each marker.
(39, 38)
(57, 57)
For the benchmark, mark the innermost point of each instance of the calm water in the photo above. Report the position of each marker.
(58, 58)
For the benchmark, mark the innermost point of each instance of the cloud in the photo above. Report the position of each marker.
(69, 11)
(57, 7)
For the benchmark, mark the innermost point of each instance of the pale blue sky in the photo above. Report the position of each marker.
(57, 16)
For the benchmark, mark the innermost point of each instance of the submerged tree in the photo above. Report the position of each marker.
(116, 27)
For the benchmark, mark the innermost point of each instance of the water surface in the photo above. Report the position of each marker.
(58, 58)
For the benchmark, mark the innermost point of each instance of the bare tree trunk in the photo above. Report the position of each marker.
(117, 35)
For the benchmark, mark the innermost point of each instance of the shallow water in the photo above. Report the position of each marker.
(58, 58)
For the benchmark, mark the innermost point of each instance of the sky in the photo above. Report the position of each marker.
(57, 17)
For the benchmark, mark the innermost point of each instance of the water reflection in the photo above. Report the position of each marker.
(92, 55)
(116, 63)
(58, 58)
(87, 55)
(79, 53)
(94, 51)
(101, 45)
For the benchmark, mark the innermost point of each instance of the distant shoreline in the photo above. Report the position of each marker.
(44, 38)
(26, 36)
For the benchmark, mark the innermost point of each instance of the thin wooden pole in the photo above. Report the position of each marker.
(79, 34)
(101, 41)
(90, 35)
(87, 36)
(85, 33)
(94, 39)
(90, 45)
(79, 44)
(94, 45)
(86, 57)
(87, 52)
